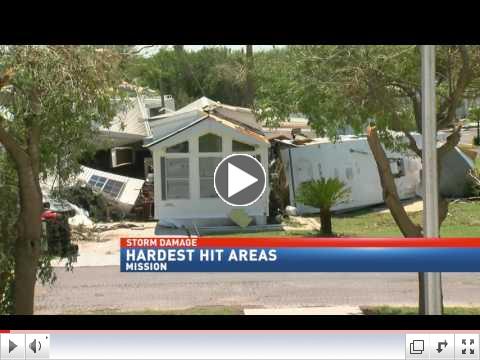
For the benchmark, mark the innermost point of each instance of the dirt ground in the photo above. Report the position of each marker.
(103, 248)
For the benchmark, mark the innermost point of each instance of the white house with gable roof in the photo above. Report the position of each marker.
(186, 147)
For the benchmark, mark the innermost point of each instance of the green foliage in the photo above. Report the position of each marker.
(322, 193)
(8, 216)
(67, 91)
(340, 87)
(85, 198)
(217, 73)
(97, 205)
(476, 141)
(53, 99)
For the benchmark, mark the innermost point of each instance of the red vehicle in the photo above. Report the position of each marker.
(56, 231)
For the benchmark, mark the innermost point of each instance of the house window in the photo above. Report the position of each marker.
(210, 143)
(239, 146)
(110, 187)
(97, 182)
(122, 156)
(176, 179)
(113, 188)
(207, 167)
(178, 148)
(397, 166)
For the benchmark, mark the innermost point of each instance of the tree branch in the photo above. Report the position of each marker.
(411, 92)
(11, 145)
(464, 78)
(413, 144)
(452, 140)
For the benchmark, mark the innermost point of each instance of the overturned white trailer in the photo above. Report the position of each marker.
(351, 161)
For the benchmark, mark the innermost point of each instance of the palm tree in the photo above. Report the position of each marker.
(323, 194)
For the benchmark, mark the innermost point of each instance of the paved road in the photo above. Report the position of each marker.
(97, 288)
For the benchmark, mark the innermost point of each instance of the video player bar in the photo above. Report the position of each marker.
(236, 345)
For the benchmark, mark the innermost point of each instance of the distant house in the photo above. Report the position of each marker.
(187, 146)
(120, 147)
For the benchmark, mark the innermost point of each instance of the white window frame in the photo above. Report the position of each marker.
(165, 177)
(113, 152)
(100, 189)
(218, 155)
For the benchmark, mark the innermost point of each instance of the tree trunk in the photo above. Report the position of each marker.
(250, 98)
(392, 200)
(27, 247)
(325, 222)
(390, 194)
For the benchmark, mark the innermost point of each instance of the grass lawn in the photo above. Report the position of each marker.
(411, 310)
(205, 310)
(463, 220)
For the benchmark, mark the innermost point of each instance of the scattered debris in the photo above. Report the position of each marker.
(81, 217)
(115, 226)
(291, 210)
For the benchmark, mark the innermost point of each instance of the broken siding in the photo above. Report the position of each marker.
(130, 121)
(130, 191)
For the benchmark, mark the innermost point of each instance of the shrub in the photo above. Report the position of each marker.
(323, 194)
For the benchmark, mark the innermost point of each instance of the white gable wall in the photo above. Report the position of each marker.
(203, 211)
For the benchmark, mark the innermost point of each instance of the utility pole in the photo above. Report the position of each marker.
(432, 282)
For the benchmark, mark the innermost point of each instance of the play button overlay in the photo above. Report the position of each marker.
(240, 180)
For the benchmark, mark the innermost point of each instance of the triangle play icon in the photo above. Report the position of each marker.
(11, 346)
(238, 180)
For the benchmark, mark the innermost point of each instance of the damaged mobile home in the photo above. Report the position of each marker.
(351, 161)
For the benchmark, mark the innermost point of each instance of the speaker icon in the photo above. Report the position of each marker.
(35, 346)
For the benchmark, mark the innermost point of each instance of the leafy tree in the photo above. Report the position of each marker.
(218, 73)
(323, 194)
(376, 89)
(52, 99)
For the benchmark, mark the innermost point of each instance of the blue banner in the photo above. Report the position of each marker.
(300, 260)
